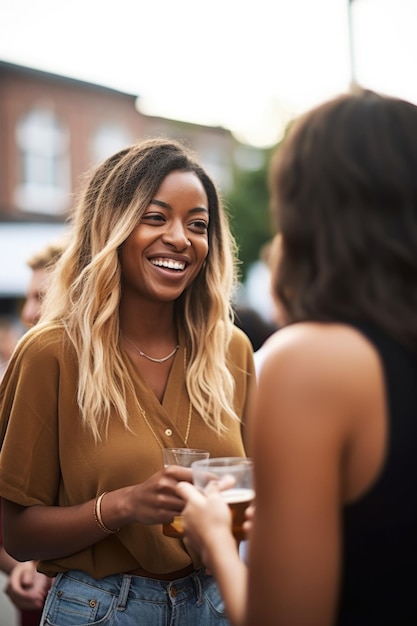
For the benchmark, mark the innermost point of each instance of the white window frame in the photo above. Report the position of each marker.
(43, 144)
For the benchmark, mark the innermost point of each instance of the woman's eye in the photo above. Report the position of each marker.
(152, 217)
(200, 225)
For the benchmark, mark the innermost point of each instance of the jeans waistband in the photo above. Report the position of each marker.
(125, 585)
(181, 573)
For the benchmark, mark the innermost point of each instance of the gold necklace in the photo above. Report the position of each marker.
(151, 358)
(190, 414)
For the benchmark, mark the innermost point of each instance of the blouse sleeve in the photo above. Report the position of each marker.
(29, 457)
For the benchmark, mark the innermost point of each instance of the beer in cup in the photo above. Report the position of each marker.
(234, 477)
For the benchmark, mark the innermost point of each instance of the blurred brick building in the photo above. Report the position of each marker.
(54, 128)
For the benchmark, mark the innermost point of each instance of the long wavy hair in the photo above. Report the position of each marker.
(85, 289)
(344, 193)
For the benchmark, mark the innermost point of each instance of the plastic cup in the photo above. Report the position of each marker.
(183, 457)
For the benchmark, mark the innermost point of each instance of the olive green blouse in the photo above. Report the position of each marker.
(48, 458)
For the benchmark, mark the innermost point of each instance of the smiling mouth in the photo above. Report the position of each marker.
(177, 266)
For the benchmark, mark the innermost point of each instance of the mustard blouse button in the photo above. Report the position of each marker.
(168, 432)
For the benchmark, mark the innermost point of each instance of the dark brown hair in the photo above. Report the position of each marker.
(344, 193)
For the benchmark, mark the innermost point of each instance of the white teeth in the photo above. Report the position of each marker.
(168, 263)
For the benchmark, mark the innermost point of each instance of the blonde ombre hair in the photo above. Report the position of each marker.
(85, 289)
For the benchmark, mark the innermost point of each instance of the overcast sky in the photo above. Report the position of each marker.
(245, 65)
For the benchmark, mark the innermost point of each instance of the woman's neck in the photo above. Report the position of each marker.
(149, 324)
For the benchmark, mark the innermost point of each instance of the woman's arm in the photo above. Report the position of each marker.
(50, 532)
(207, 526)
(294, 554)
(7, 562)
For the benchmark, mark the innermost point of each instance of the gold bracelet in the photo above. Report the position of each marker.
(98, 518)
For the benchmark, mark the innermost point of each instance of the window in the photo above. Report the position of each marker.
(108, 139)
(44, 163)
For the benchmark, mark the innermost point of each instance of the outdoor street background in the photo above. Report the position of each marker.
(7, 610)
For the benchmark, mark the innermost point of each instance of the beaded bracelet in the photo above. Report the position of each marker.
(98, 518)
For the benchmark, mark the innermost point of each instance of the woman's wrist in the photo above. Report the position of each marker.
(98, 516)
(113, 510)
(219, 548)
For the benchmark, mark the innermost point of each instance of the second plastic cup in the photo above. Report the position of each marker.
(238, 472)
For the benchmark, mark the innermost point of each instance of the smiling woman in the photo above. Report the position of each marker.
(136, 352)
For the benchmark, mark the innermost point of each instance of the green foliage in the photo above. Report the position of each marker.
(248, 208)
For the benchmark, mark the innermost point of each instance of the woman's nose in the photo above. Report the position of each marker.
(176, 235)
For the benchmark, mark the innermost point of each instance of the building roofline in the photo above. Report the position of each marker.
(23, 70)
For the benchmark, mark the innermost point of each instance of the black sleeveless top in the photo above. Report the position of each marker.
(379, 578)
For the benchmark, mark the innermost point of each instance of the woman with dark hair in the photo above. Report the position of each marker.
(135, 351)
(333, 540)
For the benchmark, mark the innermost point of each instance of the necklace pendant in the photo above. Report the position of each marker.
(154, 360)
(151, 358)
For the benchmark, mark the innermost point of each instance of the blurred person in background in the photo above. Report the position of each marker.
(254, 325)
(40, 263)
(9, 336)
(257, 286)
(26, 587)
(333, 540)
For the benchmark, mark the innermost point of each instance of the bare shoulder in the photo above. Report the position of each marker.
(333, 354)
(316, 382)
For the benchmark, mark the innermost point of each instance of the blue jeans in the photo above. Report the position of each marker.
(77, 599)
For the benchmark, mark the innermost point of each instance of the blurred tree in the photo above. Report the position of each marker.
(248, 208)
